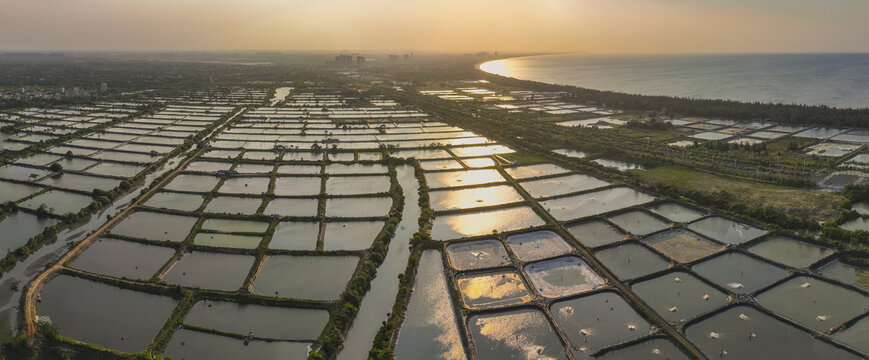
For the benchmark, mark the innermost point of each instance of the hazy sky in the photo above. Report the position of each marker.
(599, 26)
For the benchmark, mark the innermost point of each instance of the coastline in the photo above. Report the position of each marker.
(479, 67)
(517, 56)
(812, 115)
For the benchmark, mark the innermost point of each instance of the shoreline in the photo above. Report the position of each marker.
(478, 67)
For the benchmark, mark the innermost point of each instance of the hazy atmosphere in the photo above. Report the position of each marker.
(438, 180)
(595, 26)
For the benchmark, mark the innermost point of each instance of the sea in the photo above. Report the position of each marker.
(836, 80)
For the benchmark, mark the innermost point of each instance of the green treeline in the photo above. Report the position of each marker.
(668, 105)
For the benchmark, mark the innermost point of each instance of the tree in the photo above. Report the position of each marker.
(48, 329)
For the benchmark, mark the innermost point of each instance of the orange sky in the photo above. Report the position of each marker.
(598, 26)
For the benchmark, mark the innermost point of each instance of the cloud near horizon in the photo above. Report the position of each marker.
(596, 26)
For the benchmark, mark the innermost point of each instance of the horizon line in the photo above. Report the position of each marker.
(421, 52)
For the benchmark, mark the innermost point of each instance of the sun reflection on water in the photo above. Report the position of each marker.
(500, 67)
(493, 289)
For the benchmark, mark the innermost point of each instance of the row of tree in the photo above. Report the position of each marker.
(669, 105)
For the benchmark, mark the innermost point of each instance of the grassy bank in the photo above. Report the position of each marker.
(815, 204)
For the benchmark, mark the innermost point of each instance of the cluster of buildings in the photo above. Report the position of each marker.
(348, 60)
(359, 60)
(396, 57)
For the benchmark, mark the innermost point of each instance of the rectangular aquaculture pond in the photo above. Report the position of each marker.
(232, 225)
(631, 260)
(291, 235)
(225, 204)
(354, 185)
(815, 303)
(682, 245)
(594, 203)
(679, 296)
(191, 344)
(245, 185)
(479, 254)
(314, 277)
(496, 336)
(104, 315)
(473, 197)
(350, 235)
(594, 233)
(741, 274)
(455, 226)
(358, 206)
(743, 332)
(676, 212)
(297, 186)
(140, 224)
(597, 321)
(462, 178)
(855, 335)
(790, 252)
(561, 185)
(10, 191)
(292, 207)
(725, 230)
(562, 276)
(271, 322)
(536, 170)
(654, 348)
(846, 273)
(227, 240)
(492, 289)
(192, 183)
(638, 222)
(209, 270)
(175, 201)
(57, 202)
(538, 245)
(119, 258)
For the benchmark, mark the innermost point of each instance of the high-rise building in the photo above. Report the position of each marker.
(360, 60)
(104, 87)
(343, 60)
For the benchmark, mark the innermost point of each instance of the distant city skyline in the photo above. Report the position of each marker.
(595, 26)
